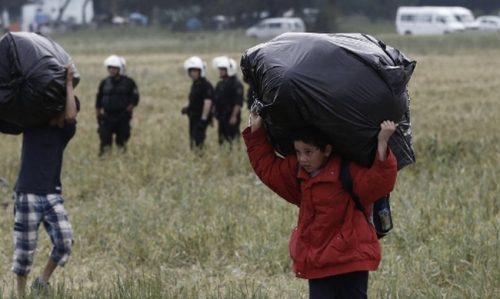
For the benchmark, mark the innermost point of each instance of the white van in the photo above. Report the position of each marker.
(276, 26)
(78, 11)
(464, 16)
(426, 20)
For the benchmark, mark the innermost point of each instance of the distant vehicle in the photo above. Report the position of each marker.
(78, 12)
(276, 26)
(464, 16)
(488, 23)
(426, 20)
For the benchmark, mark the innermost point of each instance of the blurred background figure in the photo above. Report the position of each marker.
(199, 104)
(116, 99)
(228, 99)
(250, 98)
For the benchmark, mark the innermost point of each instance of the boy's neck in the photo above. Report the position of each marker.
(315, 173)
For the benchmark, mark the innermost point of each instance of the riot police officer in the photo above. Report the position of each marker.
(116, 99)
(200, 101)
(228, 99)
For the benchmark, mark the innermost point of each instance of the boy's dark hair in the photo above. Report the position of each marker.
(313, 136)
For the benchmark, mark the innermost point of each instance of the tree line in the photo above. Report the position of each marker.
(375, 9)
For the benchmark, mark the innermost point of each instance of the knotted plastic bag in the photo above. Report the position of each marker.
(344, 84)
(32, 78)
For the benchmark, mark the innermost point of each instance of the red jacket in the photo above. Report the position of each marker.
(332, 236)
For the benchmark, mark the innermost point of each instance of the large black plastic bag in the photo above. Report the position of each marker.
(345, 84)
(32, 78)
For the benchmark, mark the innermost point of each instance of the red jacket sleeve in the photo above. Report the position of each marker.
(370, 184)
(276, 173)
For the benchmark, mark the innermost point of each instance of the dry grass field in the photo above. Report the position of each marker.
(161, 222)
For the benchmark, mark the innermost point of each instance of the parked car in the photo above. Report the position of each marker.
(426, 20)
(488, 23)
(275, 26)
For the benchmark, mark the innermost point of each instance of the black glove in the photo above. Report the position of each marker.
(215, 114)
(184, 110)
(203, 124)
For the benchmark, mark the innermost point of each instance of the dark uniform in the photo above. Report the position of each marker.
(228, 94)
(114, 97)
(201, 90)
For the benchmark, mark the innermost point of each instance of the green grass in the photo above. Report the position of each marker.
(160, 222)
(138, 40)
(363, 24)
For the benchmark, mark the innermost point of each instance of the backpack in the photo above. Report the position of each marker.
(380, 217)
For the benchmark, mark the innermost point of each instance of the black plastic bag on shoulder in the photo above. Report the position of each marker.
(344, 84)
(32, 78)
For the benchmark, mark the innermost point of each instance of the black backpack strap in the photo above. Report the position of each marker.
(299, 181)
(346, 180)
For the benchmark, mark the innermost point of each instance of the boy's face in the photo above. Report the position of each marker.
(310, 157)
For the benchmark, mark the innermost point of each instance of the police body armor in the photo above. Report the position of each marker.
(227, 95)
(115, 95)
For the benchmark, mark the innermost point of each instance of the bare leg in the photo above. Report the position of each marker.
(49, 269)
(21, 284)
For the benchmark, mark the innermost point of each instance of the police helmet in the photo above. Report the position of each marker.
(116, 61)
(196, 62)
(225, 62)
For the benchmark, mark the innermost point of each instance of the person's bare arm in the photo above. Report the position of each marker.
(387, 128)
(207, 106)
(255, 121)
(70, 109)
(234, 115)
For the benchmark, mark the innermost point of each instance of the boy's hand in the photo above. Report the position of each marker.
(387, 128)
(70, 72)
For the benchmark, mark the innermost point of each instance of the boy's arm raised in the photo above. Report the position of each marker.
(276, 173)
(369, 184)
